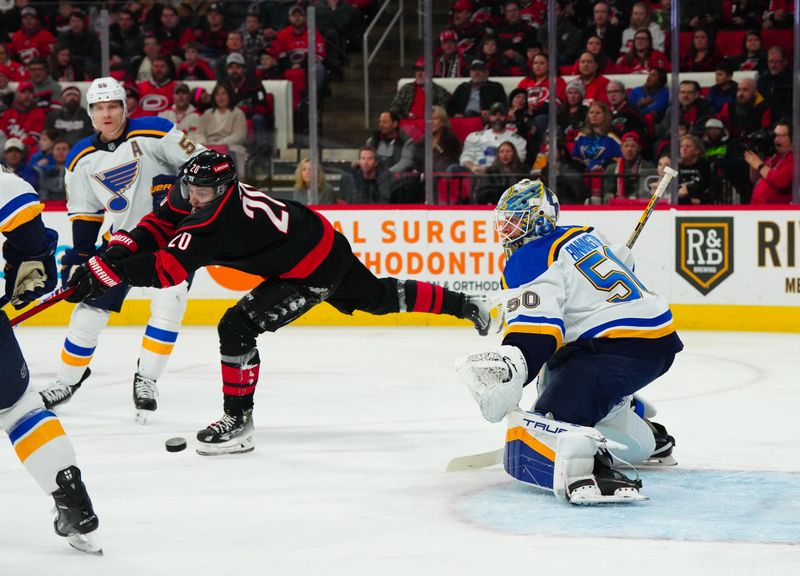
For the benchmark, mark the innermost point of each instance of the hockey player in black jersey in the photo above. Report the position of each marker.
(209, 217)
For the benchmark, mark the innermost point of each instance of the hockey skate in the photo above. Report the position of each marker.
(145, 393)
(477, 310)
(57, 393)
(605, 486)
(75, 519)
(231, 434)
(662, 455)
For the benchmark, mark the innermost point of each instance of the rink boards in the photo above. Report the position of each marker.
(725, 269)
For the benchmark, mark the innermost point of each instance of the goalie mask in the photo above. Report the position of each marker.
(526, 211)
(208, 169)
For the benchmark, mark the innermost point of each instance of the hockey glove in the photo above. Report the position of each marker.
(71, 260)
(495, 379)
(120, 246)
(93, 279)
(30, 277)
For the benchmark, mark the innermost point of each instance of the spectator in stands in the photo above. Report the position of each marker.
(409, 102)
(489, 52)
(338, 22)
(469, 33)
(15, 71)
(572, 116)
(652, 97)
(775, 83)
(83, 43)
(476, 96)
(652, 181)
(24, 120)
(605, 65)
(748, 113)
(773, 177)
(627, 176)
(182, 113)
(693, 108)
(624, 116)
(700, 13)
(192, 13)
(703, 55)
(171, 34)
(448, 62)
(596, 147)
(224, 126)
(63, 68)
(268, 68)
(302, 184)
(43, 157)
(642, 57)
(569, 176)
(47, 92)
(753, 56)
(14, 154)
(446, 145)
(537, 85)
(778, 14)
(480, 148)
(514, 34)
(394, 148)
(594, 84)
(248, 94)
(51, 176)
(213, 33)
(724, 89)
(234, 45)
(126, 40)
(71, 120)
(254, 37)
(506, 170)
(291, 45)
(195, 67)
(747, 14)
(156, 93)
(715, 139)
(132, 100)
(640, 20)
(6, 92)
(369, 183)
(140, 67)
(568, 36)
(31, 40)
(694, 173)
(602, 27)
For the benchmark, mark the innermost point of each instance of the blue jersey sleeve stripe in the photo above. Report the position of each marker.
(664, 318)
(161, 335)
(28, 424)
(15, 204)
(150, 123)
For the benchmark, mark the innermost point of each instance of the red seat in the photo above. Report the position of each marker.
(782, 37)
(729, 42)
(455, 188)
(298, 79)
(462, 127)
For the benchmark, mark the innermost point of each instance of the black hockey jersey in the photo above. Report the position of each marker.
(247, 230)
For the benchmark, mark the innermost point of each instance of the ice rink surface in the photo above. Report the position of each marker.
(354, 428)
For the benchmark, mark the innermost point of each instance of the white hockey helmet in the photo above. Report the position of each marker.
(106, 90)
(526, 211)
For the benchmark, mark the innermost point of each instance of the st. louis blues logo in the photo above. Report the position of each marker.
(117, 181)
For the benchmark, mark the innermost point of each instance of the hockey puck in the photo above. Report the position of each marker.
(176, 444)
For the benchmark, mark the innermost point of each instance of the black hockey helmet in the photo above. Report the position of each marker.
(211, 169)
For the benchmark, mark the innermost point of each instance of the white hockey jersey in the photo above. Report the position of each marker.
(19, 202)
(113, 179)
(481, 147)
(570, 285)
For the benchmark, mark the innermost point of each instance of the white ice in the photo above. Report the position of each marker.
(354, 428)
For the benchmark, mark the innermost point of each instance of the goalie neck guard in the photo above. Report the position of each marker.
(526, 211)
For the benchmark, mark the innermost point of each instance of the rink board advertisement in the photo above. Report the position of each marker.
(731, 269)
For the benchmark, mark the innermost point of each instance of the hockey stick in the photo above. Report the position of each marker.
(487, 459)
(669, 174)
(43, 305)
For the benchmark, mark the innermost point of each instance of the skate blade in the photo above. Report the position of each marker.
(88, 543)
(237, 446)
(142, 415)
(623, 497)
(663, 461)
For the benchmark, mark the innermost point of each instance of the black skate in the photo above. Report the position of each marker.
(231, 434)
(57, 393)
(606, 486)
(75, 519)
(662, 455)
(145, 393)
(477, 310)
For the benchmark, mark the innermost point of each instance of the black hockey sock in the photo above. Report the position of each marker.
(427, 297)
(239, 379)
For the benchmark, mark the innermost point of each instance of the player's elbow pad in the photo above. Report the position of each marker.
(495, 379)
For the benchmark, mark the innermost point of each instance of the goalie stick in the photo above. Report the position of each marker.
(493, 457)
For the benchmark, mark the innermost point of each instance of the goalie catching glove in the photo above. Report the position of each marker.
(495, 379)
(93, 279)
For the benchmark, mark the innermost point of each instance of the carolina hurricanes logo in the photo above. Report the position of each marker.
(117, 180)
(253, 199)
(154, 103)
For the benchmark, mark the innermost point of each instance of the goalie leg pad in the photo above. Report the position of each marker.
(495, 379)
